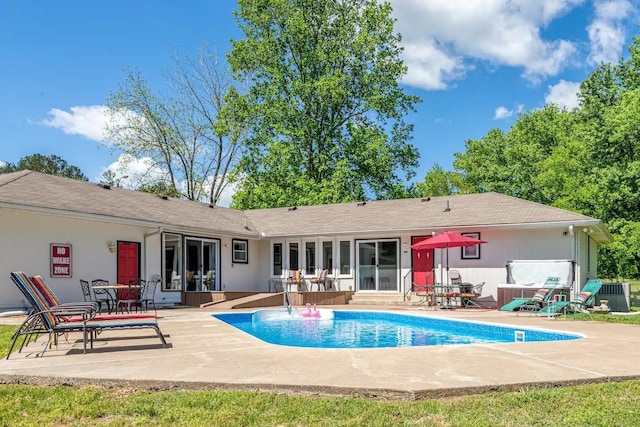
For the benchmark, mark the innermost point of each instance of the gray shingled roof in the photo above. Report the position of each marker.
(39, 190)
(472, 210)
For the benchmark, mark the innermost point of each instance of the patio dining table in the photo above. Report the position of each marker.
(447, 294)
(112, 291)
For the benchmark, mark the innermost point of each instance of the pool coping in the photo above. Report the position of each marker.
(207, 355)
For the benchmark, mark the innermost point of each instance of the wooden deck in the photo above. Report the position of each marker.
(203, 299)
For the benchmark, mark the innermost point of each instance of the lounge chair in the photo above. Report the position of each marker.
(53, 321)
(541, 297)
(577, 304)
(51, 300)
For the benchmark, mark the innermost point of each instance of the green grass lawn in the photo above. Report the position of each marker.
(603, 404)
(611, 404)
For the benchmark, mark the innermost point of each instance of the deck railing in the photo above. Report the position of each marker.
(406, 289)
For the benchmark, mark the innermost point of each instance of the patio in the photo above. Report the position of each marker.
(205, 353)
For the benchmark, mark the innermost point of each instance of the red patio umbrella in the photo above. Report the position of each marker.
(446, 240)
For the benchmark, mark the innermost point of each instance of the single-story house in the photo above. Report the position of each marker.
(67, 230)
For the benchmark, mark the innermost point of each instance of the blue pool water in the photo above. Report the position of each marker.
(374, 329)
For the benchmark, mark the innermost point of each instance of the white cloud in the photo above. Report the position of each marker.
(606, 32)
(442, 37)
(88, 121)
(2, 163)
(132, 172)
(429, 67)
(503, 112)
(563, 94)
(227, 194)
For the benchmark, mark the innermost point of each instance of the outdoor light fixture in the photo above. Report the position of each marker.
(111, 246)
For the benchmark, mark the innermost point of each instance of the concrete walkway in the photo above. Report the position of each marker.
(205, 353)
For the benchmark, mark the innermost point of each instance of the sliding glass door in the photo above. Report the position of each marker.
(378, 265)
(202, 264)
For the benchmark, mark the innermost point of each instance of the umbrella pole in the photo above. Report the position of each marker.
(447, 265)
(441, 266)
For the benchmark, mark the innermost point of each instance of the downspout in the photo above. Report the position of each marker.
(575, 288)
(144, 258)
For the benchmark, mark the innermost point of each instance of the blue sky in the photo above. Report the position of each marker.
(475, 63)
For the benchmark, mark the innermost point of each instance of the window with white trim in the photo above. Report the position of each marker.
(345, 257)
(310, 257)
(327, 256)
(240, 251)
(277, 259)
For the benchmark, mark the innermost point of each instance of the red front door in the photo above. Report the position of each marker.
(422, 263)
(128, 261)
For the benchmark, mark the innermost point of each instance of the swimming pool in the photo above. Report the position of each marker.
(376, 329)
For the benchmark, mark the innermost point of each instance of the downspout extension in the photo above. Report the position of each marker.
(144, 249)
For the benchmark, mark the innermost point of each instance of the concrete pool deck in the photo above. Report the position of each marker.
(206, 353)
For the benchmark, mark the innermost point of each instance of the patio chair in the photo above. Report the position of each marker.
(470, 295)
(130, 296)
(425, 294)
(148, 295)
(86, 290)
(320, 279)
(577, 304)
(536, 302)
(454, 277)
(296, 277)
(332, 284)
(52, 321)
(276, 285)
(103, 296)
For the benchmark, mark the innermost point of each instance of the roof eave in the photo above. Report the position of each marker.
(177, 228)
(587, 222)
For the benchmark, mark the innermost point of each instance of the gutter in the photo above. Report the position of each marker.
(584, 223)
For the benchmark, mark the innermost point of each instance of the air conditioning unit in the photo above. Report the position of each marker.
(617, 294)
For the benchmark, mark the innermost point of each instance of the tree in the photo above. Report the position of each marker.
(438, 182)
(52, 165)
(512, 162)
(187, 133)
(324, 104)
(586, 160)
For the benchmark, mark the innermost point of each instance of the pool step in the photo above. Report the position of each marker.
(393, 298)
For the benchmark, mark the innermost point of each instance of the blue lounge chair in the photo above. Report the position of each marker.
(578, 304)
(541, 296)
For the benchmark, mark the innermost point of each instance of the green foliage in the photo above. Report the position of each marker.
(438, 182)
(586, 160)
(621, 259)
(324, 106)
(52, 165)
(159, 187)
(512, 162)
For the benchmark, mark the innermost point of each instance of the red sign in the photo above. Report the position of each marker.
(60, 260)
